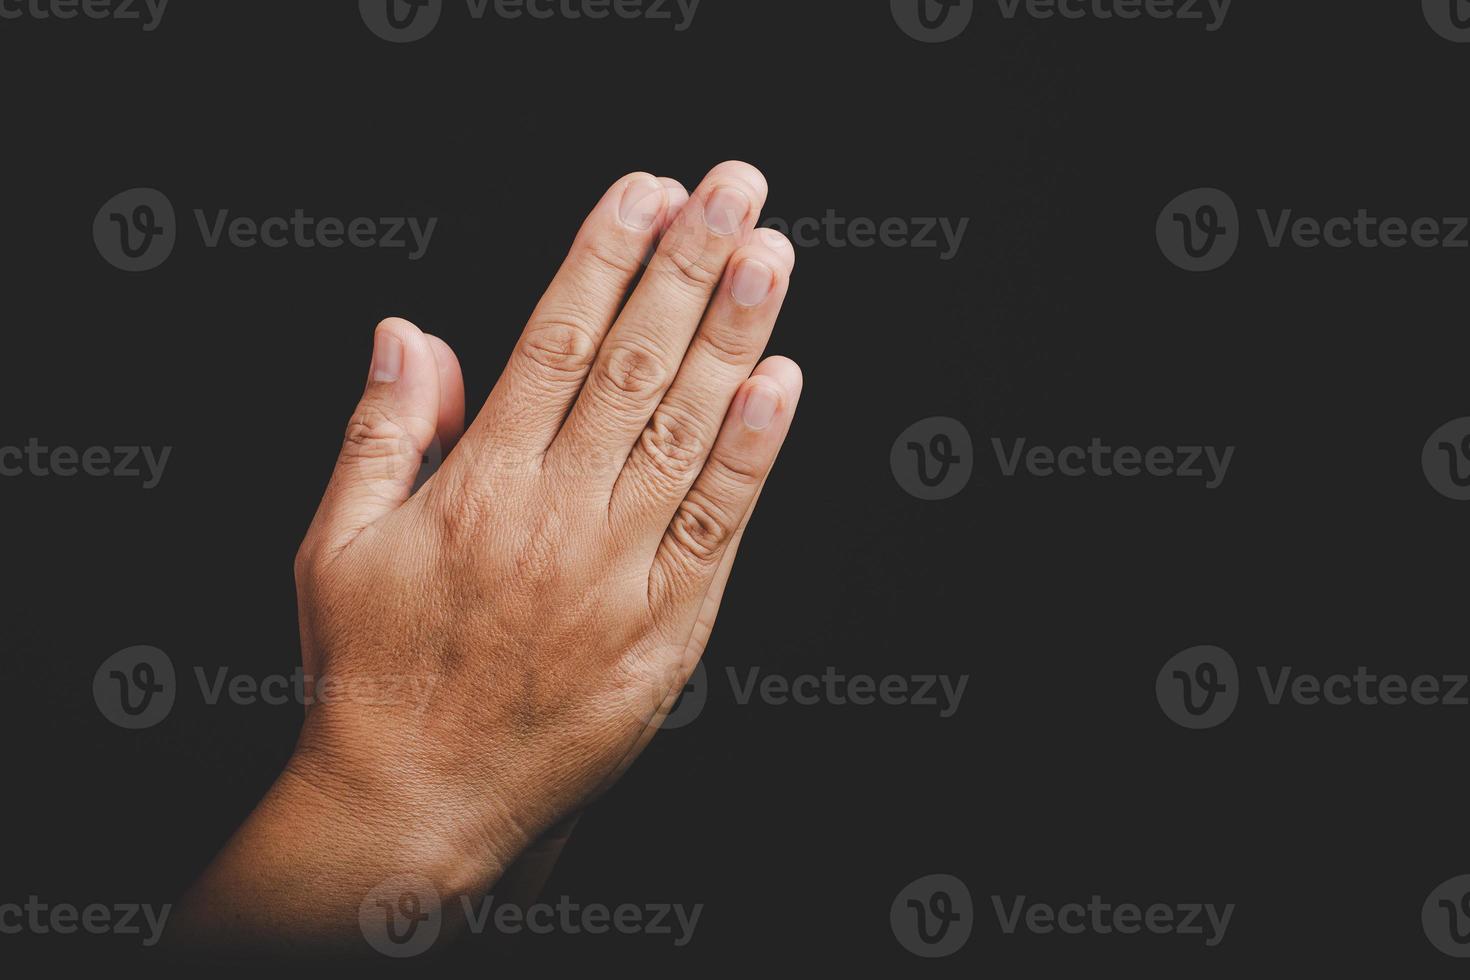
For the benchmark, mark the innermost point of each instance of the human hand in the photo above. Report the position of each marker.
(556, 579)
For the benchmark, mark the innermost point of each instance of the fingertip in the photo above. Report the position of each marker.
(399, 327)
(678, 196)
(756, 274)
(783, 371)
(678, 193)
(404, 370)
(778, 244)
(770, 394)
(451, 391)
(444, 355)
(743, 172)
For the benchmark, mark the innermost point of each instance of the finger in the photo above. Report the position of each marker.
(560, 341)
(704, 624)
(709, 607)
(451, 394)
(394, 423)
(677, 440)
(523, 881)
(643, 350)
(678, 197)
(778, 243)
(700, 533)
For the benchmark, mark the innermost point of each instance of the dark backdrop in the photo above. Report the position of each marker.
(1060, 320)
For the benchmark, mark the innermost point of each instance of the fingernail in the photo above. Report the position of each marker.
(387, 356)
(775, 240)
(725, 210)
(752, 283)
(761, 404)
(642, 202)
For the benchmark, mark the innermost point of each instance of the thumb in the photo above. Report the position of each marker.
(394, 424)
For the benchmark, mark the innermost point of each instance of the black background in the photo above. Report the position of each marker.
(1060, 320)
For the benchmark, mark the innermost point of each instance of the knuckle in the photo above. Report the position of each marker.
(728, 346)
(632, 370)
(461, 512)
(373, 434)
(689, 262)
(469, 498)
(738, 471)
(560, 345)
(619, 260)
(304, 565)
(673, 445)
(536, 559)
(700, 529)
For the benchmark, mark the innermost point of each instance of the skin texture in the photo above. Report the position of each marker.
(505, 639)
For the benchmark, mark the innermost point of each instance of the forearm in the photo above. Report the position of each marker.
(296, 876)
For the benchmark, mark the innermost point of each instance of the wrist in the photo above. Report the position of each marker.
(392, 822)
(325, 855)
